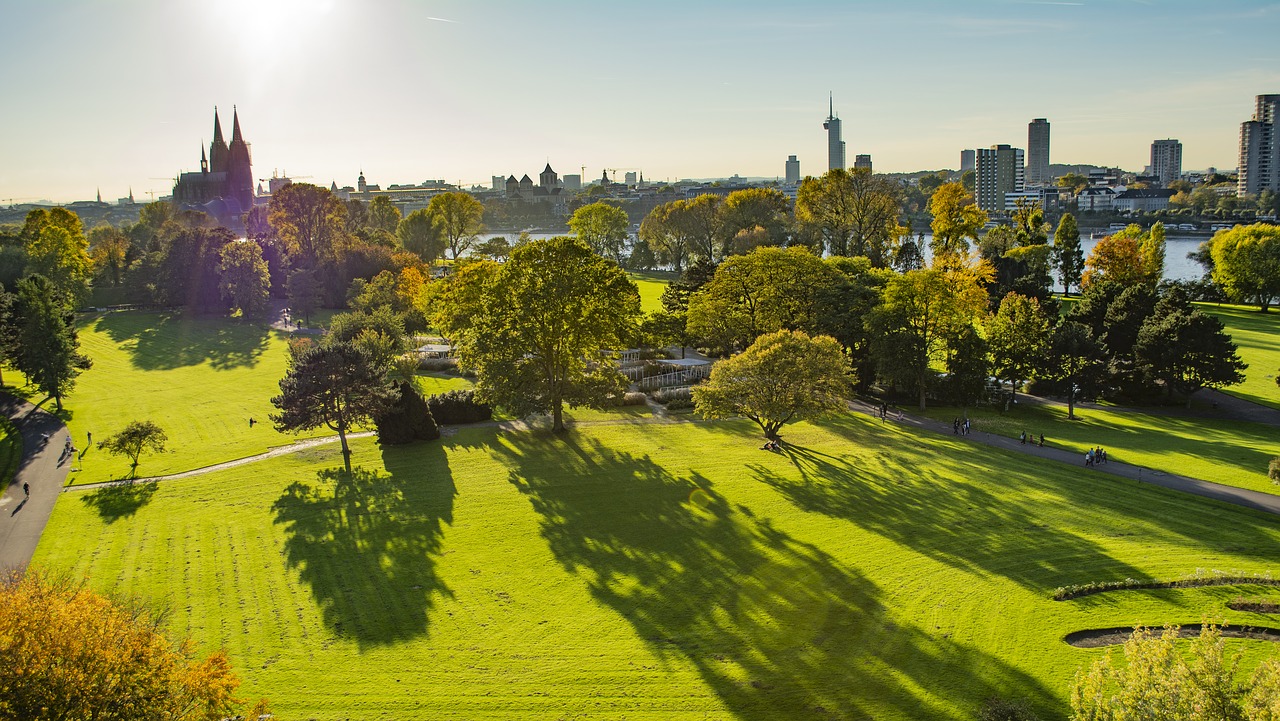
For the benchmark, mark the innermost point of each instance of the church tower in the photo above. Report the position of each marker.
(239, 170)
(218, 148)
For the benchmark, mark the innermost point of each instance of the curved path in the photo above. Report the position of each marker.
(43, 467)
(1228, 494)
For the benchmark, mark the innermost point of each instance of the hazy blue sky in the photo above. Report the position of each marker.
(121, 93)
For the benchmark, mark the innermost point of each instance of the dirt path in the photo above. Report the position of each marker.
(1217, 491)
(43, 467)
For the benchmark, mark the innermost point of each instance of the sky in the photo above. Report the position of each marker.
(119, 94)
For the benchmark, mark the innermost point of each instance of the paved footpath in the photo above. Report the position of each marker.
(1267, 502)
(44, 468)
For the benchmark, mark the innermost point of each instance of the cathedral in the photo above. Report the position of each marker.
(224, 186)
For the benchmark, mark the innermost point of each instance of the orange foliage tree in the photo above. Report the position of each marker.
(1118, 257)
(69, 653)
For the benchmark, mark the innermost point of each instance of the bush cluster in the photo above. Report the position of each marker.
(438, 364)
(633, 398)
(1197, 580)
(407, 421)
(458, 407)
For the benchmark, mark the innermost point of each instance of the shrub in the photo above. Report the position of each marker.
(408, 420)
(458, 407)
(438, 364)
(680, 404)
(633, 398)
(1197, 580)
(999, 709)
(666, 396)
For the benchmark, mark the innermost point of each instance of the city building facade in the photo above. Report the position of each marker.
(793, 170)
(967, 161)
(998, 170)
(1038, 152)
(862, 162)
(1259, 168)
(1145, 200)
(1166, 161)
(223, 187)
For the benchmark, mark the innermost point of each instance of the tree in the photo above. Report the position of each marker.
(768, 289)
(782, 377)
(460, 301)
(603, 227)
(660, 231)
(1018, 333)
(1074, 360)
(956, 220)
(700, 222)
(1152, 246)
(1157, 682)
(70, 653)
(334, 384)
(304, 292)
(753, 217)
(968, 367)
(1120, 257)
(47, 347)
(137, 437)
(922, 309)
(854, 212)
(544, 321)
(310, 222)
(246, 280)
(407, 420)
(109, 250)
(1068, 257)
(1247, 263)
(419, 234)
(56, 248)
(495, 248)
(1187, 349)
(1074, 181)
(382, 215)
(458, 215)
(379, 332)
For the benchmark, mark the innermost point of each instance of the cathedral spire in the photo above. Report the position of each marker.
(217, 126)
(204, 163)
(235, 126)
(99, 195)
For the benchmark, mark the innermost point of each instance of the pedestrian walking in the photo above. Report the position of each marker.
(1023, 438)
(89, 438)
(899, 415)
(955, 427)
(26, 490)
(251, 422)
(1042, 440)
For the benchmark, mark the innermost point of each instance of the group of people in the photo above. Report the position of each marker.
(1094, 456)
(771, 445)
(960, 427)
(1023, 439)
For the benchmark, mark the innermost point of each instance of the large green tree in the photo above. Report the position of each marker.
(1068, 257)
(246, 280)
(109, 249)
(332, 384)
(1018, 333)
(1246, 263)
(1075, 360)
(310, 221)
(46, 344)
(136, 438)
(956, 221)
(754, 216)
(544, 323)
(853, 211)
(382, 215)
(57, 248)
(459, 217)
(419, 234)
(782, 377)
(603, 227)
(1187, 349)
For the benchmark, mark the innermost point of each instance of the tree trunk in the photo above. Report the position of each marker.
(922, 397)
(557, 417)
(346, 452)
(1071, 405)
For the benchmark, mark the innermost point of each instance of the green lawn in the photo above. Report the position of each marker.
(200, 379)
(651, 284)
(10, 452)
(1232, 452)
(1258, 335)
(657, 571)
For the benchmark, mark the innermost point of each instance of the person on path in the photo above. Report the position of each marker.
(1088, 458)
(955, 427)
(899, 415)
(1023, 438)
(966, 426)
(26, 490)
(1042, 440)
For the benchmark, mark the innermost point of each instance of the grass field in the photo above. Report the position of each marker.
(1232, 452)
(651, 284)
(657, 571)
(200, 379)
(10, 452)
(1258, 335)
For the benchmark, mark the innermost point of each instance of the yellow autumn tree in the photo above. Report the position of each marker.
(67, 652)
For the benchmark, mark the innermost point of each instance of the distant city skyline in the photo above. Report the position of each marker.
(120, 95)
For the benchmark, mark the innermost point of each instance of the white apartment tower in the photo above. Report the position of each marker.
(835, 146)
(1259, 149)
(999, 170)
(1038, 152)
(793, 170)
(1166, 160)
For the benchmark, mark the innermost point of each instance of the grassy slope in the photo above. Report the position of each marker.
(1258, 335)
(651, 285)
(201, 380)
(1231, 452)
(10, 452)
(657, 572)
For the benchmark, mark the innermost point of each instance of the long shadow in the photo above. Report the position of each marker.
(776, 627)
(119, 500)
(367, 543)
(164, 341)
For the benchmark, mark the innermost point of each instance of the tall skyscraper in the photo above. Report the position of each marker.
(966, 160)
(862, 161)
(999, 170)
(1166, 160)
(793, 170)
(1259, 149)
(835, 146)
(1038, 152)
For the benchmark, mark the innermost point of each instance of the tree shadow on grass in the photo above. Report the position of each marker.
(164, 341)
(367, 543)
(119, 500)
(776, 627)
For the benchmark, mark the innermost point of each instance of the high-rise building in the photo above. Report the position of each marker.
(862, 161)
(793, 170)
(1038, 152)
(1166, 160)
(1259, 149)
(573, 182)
(966, 160)
(630, 178)
(998, 170)
(499, 182)
(835, 146)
